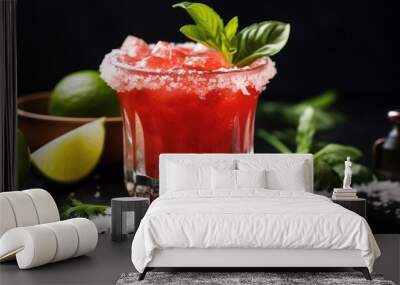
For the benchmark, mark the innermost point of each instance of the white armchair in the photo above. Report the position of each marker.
(31, 230)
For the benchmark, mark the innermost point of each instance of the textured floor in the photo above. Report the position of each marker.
(106, 264)
(102, 266)
(254, 278)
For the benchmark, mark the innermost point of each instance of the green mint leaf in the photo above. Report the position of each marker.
(260, 40)
(325, 119)
(273, 141)
(75, 202)
(283, 115)
(325, 178)
(306, 131)
(79, 209)
(209, 28)
(333, 154)
(322, 101)
(231, 28)
(361, 173)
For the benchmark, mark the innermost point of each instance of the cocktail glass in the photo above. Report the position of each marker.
(183, 111)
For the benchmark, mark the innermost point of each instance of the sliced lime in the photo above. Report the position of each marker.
(72, 156)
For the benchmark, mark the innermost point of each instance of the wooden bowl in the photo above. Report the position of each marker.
(39, 127)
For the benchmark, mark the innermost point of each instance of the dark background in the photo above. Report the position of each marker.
(350, 46)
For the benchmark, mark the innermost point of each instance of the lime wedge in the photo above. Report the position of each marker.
(72, 156)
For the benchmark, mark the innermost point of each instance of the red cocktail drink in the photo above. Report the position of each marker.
(182, 98)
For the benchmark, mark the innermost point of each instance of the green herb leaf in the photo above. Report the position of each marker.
(260, 40)
(231, 28)
(329, 166)
(336, 153)
(322, 101)
(195, 33)
(79, 209)
(251, 43)
(209, 29)
(305, 131)
(274, 141)
(204, 16)
(287, 136)
(280, 115)
(360, 173)
(325, 178)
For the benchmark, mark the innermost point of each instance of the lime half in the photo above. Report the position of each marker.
(83, 94)
(72, 156)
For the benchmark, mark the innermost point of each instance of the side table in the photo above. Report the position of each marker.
(120, 207)
(358, 205)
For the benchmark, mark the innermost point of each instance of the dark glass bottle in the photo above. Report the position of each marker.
(386, 151)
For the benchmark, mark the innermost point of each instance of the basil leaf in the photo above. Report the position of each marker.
(204, 16)
(305, 131)
(209, 29)
(260, 40)
(336, 153)
(197, 34)
(231, 27)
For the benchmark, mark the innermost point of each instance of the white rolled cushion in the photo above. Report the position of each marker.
(87, 235)
(7, 218)
(282, 174)
(33, 246)
(23, 208)
(40, 244)
(251, 178)
(26, 208)
(66, 238)
(188, 177)
(45, 205)
(223, 179)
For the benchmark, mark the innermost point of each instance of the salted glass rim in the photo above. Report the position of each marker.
(259, 64)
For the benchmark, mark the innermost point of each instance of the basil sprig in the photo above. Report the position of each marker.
(209, 28)
(253, 42)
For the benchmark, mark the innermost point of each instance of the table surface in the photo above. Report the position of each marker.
(103, 266)
(349, 200)
(130, 199)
